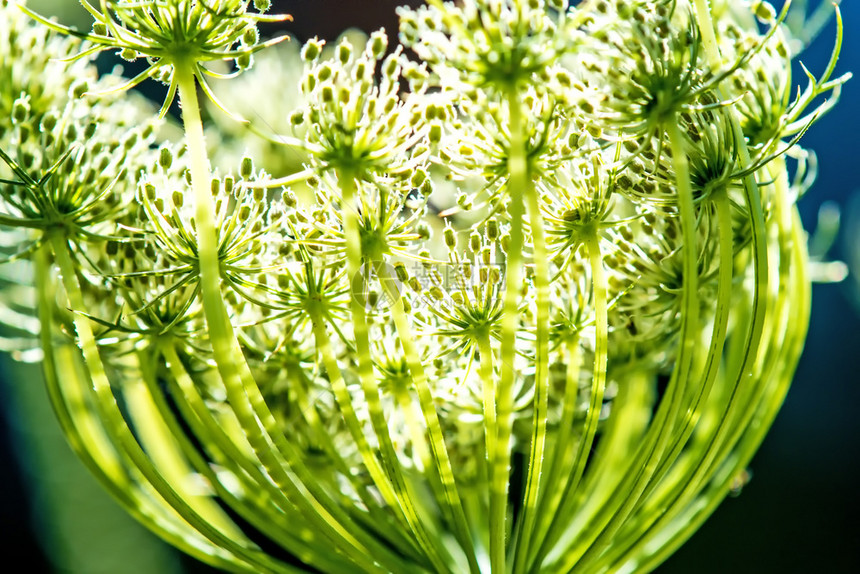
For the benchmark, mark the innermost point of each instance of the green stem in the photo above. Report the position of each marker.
(87, 438)
(73, 411)
(491, 436)
(650, 455)
(752, 390)
(167, 446)
(272, 507)
(601, 351)
(752, 196)
(218, 323)
(598, 386)
(564, 453)
(709, 38)
(690, 250)
(488, 383)
(722, 205)
(518, 182)
(760, 243)
(243, 394)
(538, 442)
(344, 401)
(220, 545)
(662, 508)
(81, 428)
(403, 490)
(785, 347)
(632, 411)
(148, 405)
(377, 521)
(427, 403)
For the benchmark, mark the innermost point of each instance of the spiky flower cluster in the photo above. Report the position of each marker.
(172, 33)
(529, 304)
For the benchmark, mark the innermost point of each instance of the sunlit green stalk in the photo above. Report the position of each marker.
(566, 445)
(752, 196)
(649, 456)
(218, 322)
(491, 421)
(167, 446)
(518, 182)
(598, 387)
(601, 349)
(533, 491)
(675, 494)
(227, 454)
(737, 417)
(85, 436)
(242, 391)
(431, 418)
(780, 369)
(402, 490)
(125, 442)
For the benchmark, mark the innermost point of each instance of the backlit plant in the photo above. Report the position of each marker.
(530, 303)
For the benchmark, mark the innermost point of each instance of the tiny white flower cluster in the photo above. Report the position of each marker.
(528, 304)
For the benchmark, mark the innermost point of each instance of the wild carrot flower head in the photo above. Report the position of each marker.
(357, 123)
(172, 32)
(499, 45)
(540, 292)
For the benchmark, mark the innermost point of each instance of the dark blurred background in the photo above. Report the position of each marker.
(798, 514)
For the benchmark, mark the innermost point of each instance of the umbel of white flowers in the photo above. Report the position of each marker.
(529, 302)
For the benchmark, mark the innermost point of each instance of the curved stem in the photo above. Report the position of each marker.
(786, 346)
(243, 558)
(651, 455)
(675, 493)
(564, 453)
(219, 327)
(626, 428)
(752, 196)
(601, 350)
(344, 401)
(81, 428)
(752, 390)
(275, 508)
(690, 297)
(243, 394)
(166, 444)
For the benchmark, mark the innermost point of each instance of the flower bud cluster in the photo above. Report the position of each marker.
(356, 120)
(175, 33)
(488, 45)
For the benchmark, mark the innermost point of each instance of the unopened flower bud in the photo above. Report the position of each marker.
(401, 272)
(250, 36)
(450, 238)
(246, 168)
(475, 242)
(289, 198)
(165, 158)
(378, 44)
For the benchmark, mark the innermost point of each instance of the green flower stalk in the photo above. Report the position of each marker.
(529, 304)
